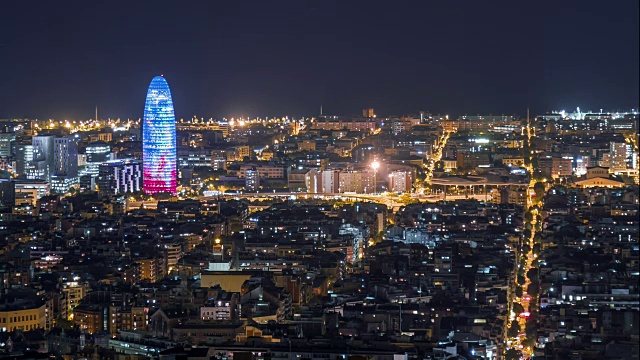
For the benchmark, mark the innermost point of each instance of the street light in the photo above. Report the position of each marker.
(375, 165)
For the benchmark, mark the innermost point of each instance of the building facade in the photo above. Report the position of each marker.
(400, 181)
(252, 180)
(41, 165)
(6, 142)
(120, 177)
(65, 157)
(159, 139)
(96, 153)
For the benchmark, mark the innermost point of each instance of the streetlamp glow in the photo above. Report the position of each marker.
(375, 165)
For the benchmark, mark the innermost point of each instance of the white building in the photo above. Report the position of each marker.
(252, 180)
(221, 311)
(400, 181)
(329, 181)
(418, 236)
(41, 187)
(359, 234)
(62, 184)
(95, 155)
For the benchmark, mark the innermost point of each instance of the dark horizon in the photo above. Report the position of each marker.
(262, 59)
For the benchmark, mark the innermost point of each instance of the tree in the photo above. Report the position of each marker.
(514, 329)
(512, 354)
(523, 262)
(406, 199)
(568, 231)
(536, 248)
(528, 216)
(539, 227)
(64, 323)
(521, 280)
(528, 342)
(518, 291)
(538, 175)
(539, 187)
(517, 308)
(527, 232)
(532, 274)
(533, 288)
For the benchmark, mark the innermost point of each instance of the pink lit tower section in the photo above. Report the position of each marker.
(159, 140)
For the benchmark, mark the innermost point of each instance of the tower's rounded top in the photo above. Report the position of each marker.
(160, 81)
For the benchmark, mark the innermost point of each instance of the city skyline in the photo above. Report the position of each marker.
(323, 180)
(233, 61)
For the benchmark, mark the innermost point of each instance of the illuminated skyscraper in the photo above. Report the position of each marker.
(159, 139)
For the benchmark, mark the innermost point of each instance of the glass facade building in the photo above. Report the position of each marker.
(96, 153)
(119, 177)
(159, 140)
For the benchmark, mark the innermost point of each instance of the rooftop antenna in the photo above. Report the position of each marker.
(320, 109)
(96, 119)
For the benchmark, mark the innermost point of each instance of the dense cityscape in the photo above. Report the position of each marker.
(356, 224)
(419, 236)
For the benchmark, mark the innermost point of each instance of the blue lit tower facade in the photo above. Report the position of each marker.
(159, 140)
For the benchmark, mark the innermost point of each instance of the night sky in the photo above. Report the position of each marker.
(58, 59)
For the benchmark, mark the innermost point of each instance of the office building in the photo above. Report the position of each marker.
(65, 157)
(41, 166)
(6, 141)
(96, 154)
(64, 173)
(62, 184)
(159, 140)
(23, 157)
(41, 187)
(119, 177)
